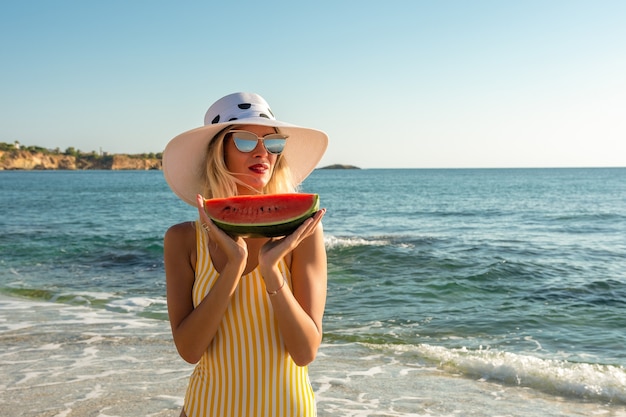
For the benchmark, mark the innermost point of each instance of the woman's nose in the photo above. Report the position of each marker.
(260, 150)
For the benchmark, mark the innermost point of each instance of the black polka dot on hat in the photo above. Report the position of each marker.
(264, 115)
(244, 106)
(216, 119)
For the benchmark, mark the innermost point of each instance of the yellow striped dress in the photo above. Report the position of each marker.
(246, 370)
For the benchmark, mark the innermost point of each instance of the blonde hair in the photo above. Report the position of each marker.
(219, 182)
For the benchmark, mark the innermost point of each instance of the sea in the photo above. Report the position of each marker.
(451, 292)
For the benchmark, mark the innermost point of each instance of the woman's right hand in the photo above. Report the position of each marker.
(235, 249)
(195, 326)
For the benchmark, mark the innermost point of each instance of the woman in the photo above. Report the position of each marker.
(247, 311)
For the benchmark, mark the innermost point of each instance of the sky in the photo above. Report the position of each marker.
(395, 84)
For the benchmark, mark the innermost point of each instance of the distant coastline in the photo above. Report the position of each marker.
(17, 157)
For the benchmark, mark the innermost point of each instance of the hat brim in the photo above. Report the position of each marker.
(184, 156)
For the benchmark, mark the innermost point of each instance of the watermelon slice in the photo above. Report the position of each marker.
(269, 215)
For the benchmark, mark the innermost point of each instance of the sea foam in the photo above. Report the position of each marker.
(559, 377)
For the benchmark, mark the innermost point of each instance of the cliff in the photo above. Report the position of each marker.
(29, 160)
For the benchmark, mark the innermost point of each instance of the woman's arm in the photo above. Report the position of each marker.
(194, 329)
(300, 313)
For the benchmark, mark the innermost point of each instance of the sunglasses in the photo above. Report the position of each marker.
(247, 141)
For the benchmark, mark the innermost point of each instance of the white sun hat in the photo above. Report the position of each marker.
(184, 157)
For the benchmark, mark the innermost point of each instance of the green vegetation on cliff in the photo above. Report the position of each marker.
(71, 151)
(15, 156)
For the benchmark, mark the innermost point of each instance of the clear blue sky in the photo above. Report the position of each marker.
(406, 84)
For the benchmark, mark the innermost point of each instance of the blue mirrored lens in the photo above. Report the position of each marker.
(274, 146)
(245, 145)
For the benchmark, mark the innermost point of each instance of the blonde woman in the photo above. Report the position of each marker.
(248, 312)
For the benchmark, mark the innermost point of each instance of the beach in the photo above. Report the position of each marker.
(72, 361)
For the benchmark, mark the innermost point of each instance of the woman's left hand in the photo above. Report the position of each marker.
(276, 249)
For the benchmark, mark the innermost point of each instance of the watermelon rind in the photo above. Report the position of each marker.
(270, 229)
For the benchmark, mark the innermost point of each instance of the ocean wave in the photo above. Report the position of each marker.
(595, 382)
(587, 217)
(136, 304)
(343, 242)
(333, 242)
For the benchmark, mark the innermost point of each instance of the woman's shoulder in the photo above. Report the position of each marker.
(181, 232)
(312, 245)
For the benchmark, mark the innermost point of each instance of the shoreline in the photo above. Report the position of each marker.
(65, 361)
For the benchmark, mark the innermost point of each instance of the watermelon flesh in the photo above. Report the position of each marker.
(270, 215)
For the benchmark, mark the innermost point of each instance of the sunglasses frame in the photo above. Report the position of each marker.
(252, 136)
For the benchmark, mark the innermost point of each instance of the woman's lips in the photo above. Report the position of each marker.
(259, 168)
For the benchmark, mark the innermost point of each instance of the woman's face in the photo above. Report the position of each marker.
(254, 168)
